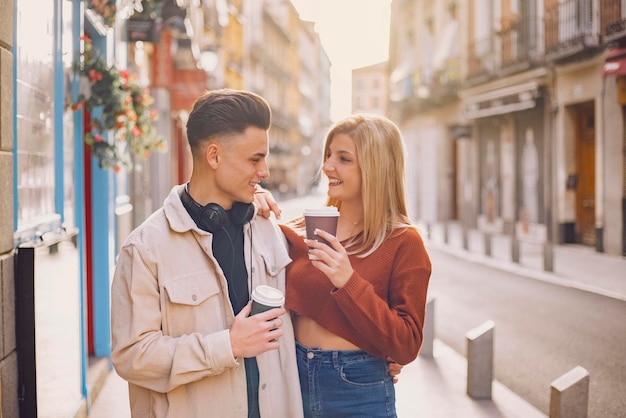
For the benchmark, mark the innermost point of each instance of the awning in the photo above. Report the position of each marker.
(615, 62)
(505, 100)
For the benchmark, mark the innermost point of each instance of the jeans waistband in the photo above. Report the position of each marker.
(333, 356)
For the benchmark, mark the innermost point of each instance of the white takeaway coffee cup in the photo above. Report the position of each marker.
(265, 298)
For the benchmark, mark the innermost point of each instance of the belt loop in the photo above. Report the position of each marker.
(336, 359)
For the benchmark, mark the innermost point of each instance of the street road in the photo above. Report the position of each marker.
(541, 330)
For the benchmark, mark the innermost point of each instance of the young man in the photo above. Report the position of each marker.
(182, 334)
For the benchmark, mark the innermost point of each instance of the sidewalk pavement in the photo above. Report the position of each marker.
(428, 387)
(575, 266)
(436, 387)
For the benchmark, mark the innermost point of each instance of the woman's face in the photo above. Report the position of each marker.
(342, 169)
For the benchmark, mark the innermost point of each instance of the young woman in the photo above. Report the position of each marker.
(362, 303)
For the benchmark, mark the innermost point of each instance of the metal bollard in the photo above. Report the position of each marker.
(480, 360)
(487, 244)
(569, 394)
(429, 330)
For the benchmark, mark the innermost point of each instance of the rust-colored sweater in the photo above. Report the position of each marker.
(381, 307)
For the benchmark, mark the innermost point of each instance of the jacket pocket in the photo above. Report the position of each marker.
(193, 304)
(275, 262)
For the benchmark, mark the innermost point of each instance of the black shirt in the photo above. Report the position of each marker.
(228, 250)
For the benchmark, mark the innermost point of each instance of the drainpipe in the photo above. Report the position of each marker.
(78, 25)
(600, 173)
(550, 170)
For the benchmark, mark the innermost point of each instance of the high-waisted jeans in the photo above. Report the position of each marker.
(344, 384)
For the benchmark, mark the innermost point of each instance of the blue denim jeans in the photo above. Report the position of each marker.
(344, 384)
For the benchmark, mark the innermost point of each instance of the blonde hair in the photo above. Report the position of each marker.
(380, 153)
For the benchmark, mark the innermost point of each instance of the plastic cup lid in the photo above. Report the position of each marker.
(322, 211)
(268, 296)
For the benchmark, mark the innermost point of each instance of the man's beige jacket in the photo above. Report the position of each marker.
(170, 320)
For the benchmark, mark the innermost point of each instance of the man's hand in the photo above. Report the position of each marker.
(264, 200)
(256, 334)
(394, 369)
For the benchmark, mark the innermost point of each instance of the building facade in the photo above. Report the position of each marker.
(424, 102)
(370, 89)
(283, 62)
(65, 214)
(64, 211)
(515, 120)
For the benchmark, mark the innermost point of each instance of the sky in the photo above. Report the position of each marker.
(354, 33)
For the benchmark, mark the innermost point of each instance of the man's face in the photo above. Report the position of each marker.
(242, 165)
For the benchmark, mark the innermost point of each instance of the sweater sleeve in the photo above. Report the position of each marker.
(393, 327)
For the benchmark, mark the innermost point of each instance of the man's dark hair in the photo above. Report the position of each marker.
(226, 112)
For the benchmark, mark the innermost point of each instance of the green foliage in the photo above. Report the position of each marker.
(118, 104)
(108, 10)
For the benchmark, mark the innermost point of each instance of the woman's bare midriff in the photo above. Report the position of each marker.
(310, 334)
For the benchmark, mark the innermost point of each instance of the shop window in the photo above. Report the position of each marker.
(42, 204)
(35, 116)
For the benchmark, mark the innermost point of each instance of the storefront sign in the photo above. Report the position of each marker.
(145, 30)
(615, 62)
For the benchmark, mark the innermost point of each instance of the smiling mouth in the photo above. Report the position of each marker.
(334, 181)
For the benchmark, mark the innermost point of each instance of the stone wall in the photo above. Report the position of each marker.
(8, 354)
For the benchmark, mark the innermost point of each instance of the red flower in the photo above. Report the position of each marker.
(94, 76)
(124, 75)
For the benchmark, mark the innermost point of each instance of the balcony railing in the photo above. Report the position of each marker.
(613, 19)
(521, 44)
(484, 59)
(570, 29)
(449, 77)
(424, 85)
(435, 85)
(516, 47)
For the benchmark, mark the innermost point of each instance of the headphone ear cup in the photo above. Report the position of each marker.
(213, 217)
(241, 213)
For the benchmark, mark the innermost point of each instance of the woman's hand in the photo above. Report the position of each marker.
(264, 200)
(332, 260)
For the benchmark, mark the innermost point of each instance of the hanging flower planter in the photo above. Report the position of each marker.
(118, 104)
(106, 9)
